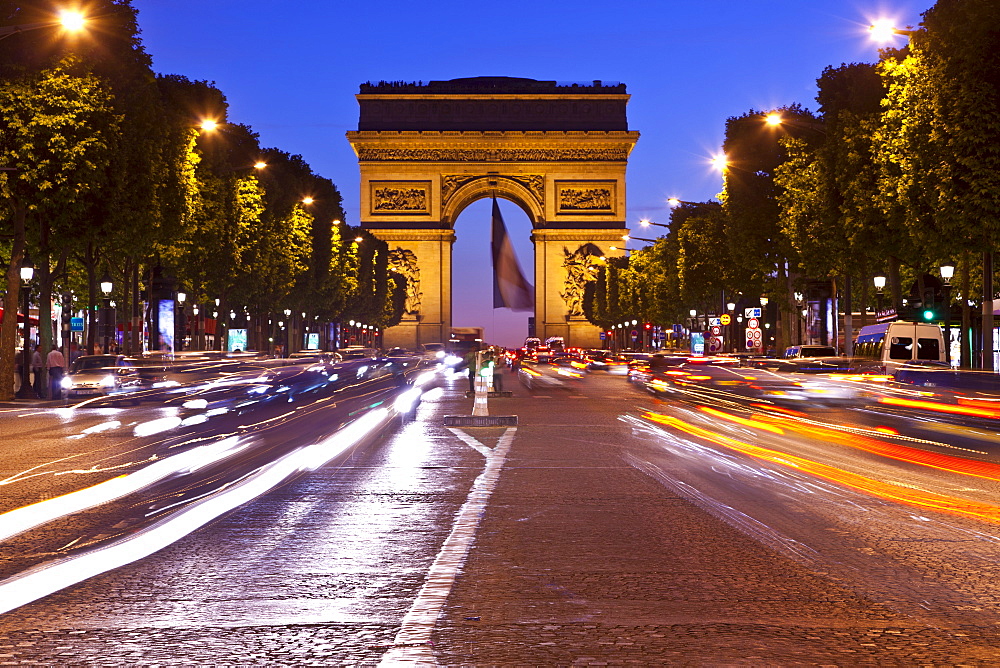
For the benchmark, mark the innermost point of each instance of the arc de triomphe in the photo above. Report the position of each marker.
(559, 151)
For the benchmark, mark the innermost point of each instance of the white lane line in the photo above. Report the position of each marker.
(471, 442)
(413, 641)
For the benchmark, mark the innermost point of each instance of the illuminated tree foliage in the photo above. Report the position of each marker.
(58, 132)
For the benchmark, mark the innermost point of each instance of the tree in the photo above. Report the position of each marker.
(58, 132)
(939, 147)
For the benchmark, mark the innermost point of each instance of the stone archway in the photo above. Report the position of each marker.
(559, 151)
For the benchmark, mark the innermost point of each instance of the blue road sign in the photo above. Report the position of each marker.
(76, 324)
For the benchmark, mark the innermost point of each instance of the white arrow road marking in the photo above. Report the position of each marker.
(413, 641)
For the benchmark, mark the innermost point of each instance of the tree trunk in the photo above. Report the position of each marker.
(44, 315)
(987, 326)
(12, 298)
(848, 318)
(90, 264)
(966, 337)
(135, 312)
(894, 285)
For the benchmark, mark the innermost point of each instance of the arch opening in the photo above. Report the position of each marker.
(472, 269)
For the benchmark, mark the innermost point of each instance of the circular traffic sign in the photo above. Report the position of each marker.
(755, 334)
(716, 330)
(753, 323)
(725, 319)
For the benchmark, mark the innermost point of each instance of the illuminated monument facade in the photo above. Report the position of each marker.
(559, 151)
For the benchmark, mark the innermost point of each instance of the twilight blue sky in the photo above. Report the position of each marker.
(290, 69)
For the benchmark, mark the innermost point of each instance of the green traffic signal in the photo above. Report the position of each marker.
(928, 315)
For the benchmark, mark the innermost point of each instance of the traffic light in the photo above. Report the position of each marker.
(929, 315)
(648, 326)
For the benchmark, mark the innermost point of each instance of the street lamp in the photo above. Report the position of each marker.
(646, 223)
(947, 273)
(27, 273)
(879, 282)
(674, 202)
(883, 30)
(70, 21)
(106, 287)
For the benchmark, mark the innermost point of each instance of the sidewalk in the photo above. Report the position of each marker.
(582, 559)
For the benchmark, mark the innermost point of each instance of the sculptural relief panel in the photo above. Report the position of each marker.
(583, 197)
(400, 197)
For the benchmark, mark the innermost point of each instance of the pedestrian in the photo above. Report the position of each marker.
(37, 368)
(57, 366)
(470, 363)
(74, 352)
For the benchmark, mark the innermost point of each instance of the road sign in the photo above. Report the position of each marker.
(751, 313)
(754, 334)
(725, 319)
(713, 320)
(713, 345)
(663, 336)
(603, 336)
(76, 324)
(635, 335)
(753, 323)
(716, 330)
(678, 328)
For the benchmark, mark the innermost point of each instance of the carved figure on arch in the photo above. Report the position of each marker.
(580, 266)
(404, 263)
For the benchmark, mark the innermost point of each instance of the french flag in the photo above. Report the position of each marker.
(510, 288)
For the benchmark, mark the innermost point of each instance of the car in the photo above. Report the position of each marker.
(645, 371)
(795, 352)
(319, 355)
(94, 375)
(356, 353)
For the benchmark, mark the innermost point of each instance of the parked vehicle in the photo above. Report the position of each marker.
(883, 349)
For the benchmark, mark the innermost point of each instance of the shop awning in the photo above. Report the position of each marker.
(32, 320)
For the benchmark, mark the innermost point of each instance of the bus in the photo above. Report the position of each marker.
(464, 340)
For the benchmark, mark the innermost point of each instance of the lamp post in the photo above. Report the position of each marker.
(27, 273)
(106, 287)
(181, 327)
(947, 272)
(70, 21)
(879, 282)
(288, 330)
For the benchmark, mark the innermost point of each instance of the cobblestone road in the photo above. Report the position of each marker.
(579, 559)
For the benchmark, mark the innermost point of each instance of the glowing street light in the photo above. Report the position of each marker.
(307, 200)
(883, 30)
(209, 125)
(69, 20)
(260, 164)
(646, 223)
(72, 21)
(773, 119)
(947, 272)
(720, 162)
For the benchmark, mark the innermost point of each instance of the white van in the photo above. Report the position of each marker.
(882, 349)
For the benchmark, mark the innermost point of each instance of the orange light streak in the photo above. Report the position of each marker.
(971, 411)
(756, 424)
(908, 496)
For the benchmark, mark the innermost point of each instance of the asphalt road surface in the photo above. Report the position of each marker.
(318, 526)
